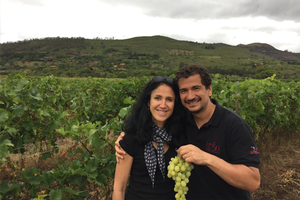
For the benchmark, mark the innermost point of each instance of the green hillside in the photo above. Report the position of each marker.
(143, 56)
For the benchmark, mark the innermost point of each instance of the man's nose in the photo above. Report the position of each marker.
(190, 95)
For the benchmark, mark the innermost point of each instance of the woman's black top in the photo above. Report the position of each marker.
(140, 186)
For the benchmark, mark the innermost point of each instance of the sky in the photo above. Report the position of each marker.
(233, 22)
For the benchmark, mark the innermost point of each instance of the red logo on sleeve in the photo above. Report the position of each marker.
(254, 150)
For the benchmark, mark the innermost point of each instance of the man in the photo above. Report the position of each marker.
(220, 143)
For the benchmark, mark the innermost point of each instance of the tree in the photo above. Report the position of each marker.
(122, 75)
(264, 72)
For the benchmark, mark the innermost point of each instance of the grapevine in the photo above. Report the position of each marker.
(37, 109)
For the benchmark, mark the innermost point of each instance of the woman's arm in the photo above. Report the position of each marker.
(123, 168)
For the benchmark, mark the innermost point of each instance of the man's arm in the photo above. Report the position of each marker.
(237, 175)
(120, 153)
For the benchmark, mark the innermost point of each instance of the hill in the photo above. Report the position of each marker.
(269, 50)
(143, 56)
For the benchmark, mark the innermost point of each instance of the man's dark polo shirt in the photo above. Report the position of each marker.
(227, 136)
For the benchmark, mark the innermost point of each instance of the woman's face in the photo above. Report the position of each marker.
(161, 104)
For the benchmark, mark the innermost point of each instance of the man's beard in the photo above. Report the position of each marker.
(198, 111)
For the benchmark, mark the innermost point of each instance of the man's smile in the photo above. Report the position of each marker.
(193, 101)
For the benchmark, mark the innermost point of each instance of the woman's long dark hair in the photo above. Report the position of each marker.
(139, 122)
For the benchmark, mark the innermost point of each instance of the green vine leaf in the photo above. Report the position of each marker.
(55, 195)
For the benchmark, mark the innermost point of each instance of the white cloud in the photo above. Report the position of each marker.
(194, 20)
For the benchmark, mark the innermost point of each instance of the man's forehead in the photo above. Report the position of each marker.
(193, 80)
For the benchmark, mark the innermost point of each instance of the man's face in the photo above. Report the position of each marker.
(193, 94)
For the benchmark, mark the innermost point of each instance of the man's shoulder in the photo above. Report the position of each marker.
(227, 113)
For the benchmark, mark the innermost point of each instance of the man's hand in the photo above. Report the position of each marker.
(193, 154)
(119, 151)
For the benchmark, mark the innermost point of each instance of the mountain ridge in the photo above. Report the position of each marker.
(143, 55)
(269, 50)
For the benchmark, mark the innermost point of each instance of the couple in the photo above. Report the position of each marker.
(216, 140)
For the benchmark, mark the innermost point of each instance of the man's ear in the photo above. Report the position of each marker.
(210, 91)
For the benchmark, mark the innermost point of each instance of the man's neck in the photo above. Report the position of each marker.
(205, 115)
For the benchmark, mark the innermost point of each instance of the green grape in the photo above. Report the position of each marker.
(179, 174)
(183, 176)
(183, 184)
(180, 171)
(186, 180)
(175, 160)
(188, 174)
(180, 192)
(183, 168)
(171, 167)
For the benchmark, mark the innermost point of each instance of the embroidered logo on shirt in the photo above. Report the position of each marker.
(254, 150)
(212, 147)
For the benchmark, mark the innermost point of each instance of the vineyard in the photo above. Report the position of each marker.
(41, 111)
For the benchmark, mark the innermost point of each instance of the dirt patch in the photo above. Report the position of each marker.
(280, 170)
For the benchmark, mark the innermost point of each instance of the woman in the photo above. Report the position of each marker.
(153, 132)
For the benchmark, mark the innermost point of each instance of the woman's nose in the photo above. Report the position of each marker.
(163, 104)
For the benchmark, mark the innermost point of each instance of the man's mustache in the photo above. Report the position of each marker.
(193, 100)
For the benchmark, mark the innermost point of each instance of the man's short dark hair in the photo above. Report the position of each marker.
(191, 70)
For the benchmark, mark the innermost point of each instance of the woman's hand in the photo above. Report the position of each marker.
(119, 151)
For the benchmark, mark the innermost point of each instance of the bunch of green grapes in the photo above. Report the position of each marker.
(180, 171)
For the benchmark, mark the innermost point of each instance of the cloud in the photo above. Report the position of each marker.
(278, 10)
(29, 2)
(231, 22)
